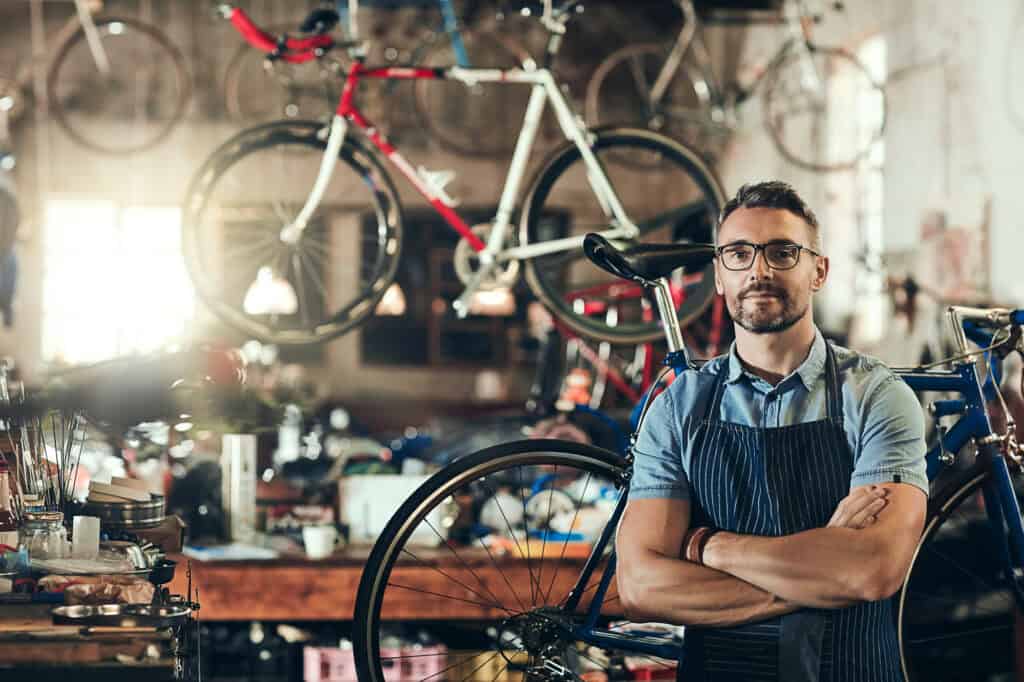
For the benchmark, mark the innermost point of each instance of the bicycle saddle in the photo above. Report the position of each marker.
(646, 262)
(320, 21)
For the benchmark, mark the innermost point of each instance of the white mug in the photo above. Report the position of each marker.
(319, 541)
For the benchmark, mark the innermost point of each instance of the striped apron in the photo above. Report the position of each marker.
(774, 482)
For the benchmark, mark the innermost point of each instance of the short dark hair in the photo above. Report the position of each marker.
(773, 194)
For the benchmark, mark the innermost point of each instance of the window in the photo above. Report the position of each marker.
(114, 281)
(855, 239)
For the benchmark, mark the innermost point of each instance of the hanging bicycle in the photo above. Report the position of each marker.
(116, 85)
(322, 258)
(678, 92)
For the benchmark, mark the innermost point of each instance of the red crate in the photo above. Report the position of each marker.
(411, 664)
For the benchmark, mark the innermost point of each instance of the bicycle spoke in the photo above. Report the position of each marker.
(420, 590)
(504, 576)
(454, 665)
(508, 525)
(526, 526)
(458, 582)
(565, 543)
(544, 541)
(965, 633)
(300, 288)
(451, 549)
(474, 671)
(967, 572)
(314, 274)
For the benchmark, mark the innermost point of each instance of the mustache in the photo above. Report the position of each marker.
(763, 289)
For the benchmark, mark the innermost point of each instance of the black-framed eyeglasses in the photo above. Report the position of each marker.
(779, 255)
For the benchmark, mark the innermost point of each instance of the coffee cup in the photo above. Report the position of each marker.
(319, 541)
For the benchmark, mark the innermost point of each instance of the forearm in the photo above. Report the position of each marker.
(672, 590)
(821, 568)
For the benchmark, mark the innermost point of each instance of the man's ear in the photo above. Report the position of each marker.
(820, 273)
(718, 282)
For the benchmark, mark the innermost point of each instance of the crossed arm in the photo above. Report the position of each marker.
(862, 555)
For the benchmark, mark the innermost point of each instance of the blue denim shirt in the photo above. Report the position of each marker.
(884, 421)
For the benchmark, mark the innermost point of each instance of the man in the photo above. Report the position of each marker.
(778, 492)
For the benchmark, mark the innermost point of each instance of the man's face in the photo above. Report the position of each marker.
(764, 300)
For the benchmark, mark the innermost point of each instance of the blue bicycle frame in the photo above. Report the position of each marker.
(973, 425)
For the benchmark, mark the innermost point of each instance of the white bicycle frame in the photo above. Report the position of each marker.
(493, 253)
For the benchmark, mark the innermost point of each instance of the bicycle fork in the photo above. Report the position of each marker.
(290, 234)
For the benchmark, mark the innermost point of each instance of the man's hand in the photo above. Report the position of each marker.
(860, 508)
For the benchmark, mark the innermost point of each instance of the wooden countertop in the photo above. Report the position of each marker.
(294, 588)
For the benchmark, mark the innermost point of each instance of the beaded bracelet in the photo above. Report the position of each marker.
(696, 541)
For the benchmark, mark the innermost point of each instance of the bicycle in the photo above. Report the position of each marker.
(107, 71)
(460, 119)
(545, 575)
(245, 218)
(680, 93)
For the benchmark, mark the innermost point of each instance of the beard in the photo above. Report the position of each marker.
(767, 318)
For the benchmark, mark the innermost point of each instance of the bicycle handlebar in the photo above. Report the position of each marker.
(293, 50)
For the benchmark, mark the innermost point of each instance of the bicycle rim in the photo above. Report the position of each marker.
(494, 588)
(247, 192)
(473, 120)
(664, 188)
(800, 120)
(133, 107)
(620, 93)
(957, 613)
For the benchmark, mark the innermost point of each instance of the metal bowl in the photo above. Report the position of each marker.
(127, 515)
(121, 615)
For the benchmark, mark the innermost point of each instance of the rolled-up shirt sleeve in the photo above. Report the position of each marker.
(892, 444)
(658, 471)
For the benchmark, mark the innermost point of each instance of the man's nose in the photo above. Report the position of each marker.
(759, 269)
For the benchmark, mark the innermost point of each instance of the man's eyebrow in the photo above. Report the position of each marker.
(736, 242)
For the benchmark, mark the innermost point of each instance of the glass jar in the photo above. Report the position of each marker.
(44, 536)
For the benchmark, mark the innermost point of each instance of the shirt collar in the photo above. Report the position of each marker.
(809, 371)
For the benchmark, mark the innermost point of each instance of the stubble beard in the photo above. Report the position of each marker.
(757, 321)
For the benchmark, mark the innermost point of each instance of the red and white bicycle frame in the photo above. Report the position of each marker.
(491, 253)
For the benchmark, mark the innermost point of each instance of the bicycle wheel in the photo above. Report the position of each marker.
(619, 93)
(131, 108)
(665, 189)
(253, 186)
(495, 540)
(258, 89)
(958, 614)
(472, 120)
(810, 121)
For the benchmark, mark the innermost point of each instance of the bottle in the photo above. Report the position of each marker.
(8, 524)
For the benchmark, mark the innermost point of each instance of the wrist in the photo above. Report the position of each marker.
(714, 551)
(695, 544)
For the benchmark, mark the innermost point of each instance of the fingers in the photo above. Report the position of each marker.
(859, 508)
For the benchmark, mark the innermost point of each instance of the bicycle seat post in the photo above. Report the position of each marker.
(669, 321)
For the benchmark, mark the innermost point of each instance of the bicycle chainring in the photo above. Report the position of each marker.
(500, 275)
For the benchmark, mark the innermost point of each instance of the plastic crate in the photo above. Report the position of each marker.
(409, 664)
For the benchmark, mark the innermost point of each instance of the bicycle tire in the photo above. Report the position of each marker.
(472, 121)
(57, 85)
(615, 96)
(676, 169)
(297, 147)
(298, 91)
(943, 634)
(453, 481)
(775, 123)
